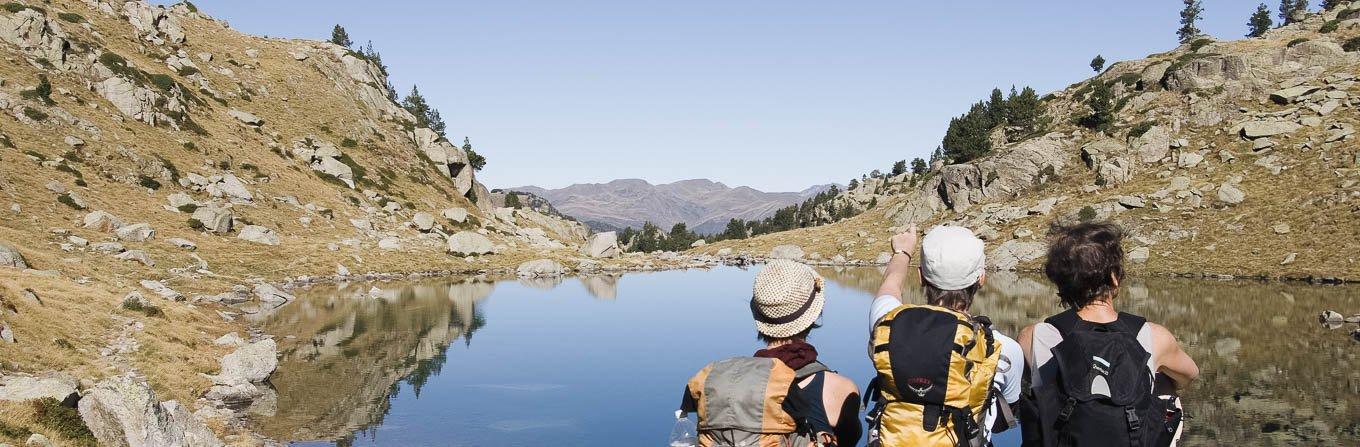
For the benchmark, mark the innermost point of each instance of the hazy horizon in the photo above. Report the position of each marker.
(776, 97)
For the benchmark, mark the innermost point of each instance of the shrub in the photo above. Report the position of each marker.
(187, 71)
(1329, 26)
(188, 208)
(70, 170)
(6, 142)
(195, 224)
(148, 182)
(1200, 43)
(1129, 79)
(34, 114)
(163, 81)
(16, 7)
(190, 146)
(81, 183)
(1352, 44)
(41, 92)
(1086, 214)
(325, 128)
(348, 142)
(224, 165)
(71, 17)
(63, 420)
(65, 199)
(148, 310)
(1141, 128)
(190, 6)
(1297, 41)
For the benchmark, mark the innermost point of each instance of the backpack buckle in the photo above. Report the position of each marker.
(1067, 410)
(1132, 417)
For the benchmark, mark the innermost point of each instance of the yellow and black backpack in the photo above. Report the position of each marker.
(934, 384)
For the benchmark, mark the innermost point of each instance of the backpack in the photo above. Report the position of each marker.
(934, 383)
(1103, 392)
(753, 401)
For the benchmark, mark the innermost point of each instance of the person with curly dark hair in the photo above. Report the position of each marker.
(1093, 350)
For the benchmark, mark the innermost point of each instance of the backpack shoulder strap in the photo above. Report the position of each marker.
(984, 325)
(1131, 323)
(810, 369)
(1065, 322)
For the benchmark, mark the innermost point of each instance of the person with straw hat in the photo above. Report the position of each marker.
(786, 301)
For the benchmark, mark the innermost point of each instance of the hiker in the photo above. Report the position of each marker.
(1091, 368)
(945, 377)
(781, 396)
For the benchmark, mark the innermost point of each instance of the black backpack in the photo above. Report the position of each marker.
(1103, 392)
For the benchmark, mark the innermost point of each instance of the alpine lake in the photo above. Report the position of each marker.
(603, 360)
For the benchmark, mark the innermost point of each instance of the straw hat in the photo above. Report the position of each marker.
(787, 298)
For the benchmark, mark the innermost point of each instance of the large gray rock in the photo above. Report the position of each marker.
(11, 257)
(1292, 94)
(246, 118)
(154, 23)
(1230, 194)
(252, 363)
(36, 35)
(258, 234)
(269, 294)
(1153, 145)
(786, 252)
(423, 221)
(1114, 171)
(1259, 129)
(231, 187)
(540, 268)
(1012, 253)
(1004, 175)
(102, 221)
(138, 232)
(123, 412)
(214, 219)
(1139, 255)
(602, 245)
(466, 243)
(60, 386)
(335, 168)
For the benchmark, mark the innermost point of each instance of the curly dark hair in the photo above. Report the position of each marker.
(1082, 260)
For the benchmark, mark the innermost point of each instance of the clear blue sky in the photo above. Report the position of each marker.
(777, 95)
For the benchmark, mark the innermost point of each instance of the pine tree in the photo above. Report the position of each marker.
(476, 160)
(340, 37)
(1098, 63)
(1260, 21)
(1189, 18)
(415, 103)
(996, 108)
(899, 168)
(967, 136)
(1101, 103)
(736, 229)
(1024, 114)
(436, 122)
(1291, 10)
(1329, 4)
(854, 183)
(512, 201)
(918, 166)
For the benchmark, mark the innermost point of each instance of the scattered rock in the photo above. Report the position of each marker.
(1258, 129)
(1229, 194)
(1262, 144)
(389, 243)
(74, 141)
(1280, 228)
(467, 243)
(698, 243)
(102, 221)
(793, 252)
(258, 234)
(269, 294)
(60, 386)
(423, 221)
(540, 268)
(252, 363)
(1189, 160)
(135, 300)
(457, 215)
(136, 255)
(38, 440)
(183, 243)
(883, 258)
(1132, 202)
(1290, 95)
(1289, 258)
(723, 252)
(1044, 207)
(214, 219)
(246, 118)
(138, 232)
(161, 289)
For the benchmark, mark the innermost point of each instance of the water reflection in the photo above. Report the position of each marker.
(576, 362)
(1271, 374)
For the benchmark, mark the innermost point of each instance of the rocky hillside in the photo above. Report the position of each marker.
(162, 175)
(1226, 158)
(703, 205)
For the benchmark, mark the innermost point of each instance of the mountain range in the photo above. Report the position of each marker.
(705, 206)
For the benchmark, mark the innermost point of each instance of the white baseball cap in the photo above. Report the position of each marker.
(952, 258)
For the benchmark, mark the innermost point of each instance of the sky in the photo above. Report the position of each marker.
(776, 95)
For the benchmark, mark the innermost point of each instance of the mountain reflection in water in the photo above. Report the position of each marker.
(355, 359)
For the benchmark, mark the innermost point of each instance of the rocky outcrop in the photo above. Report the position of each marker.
(154, 23)
(60, 386)
(450, 160)
(1004, 175)
(11, 257)
(36, 35)
(122, 411)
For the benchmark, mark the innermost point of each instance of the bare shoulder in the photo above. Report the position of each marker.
(840, 385)
(1160, 334)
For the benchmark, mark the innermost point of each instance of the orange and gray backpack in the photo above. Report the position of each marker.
(751, 401)
(934, 384)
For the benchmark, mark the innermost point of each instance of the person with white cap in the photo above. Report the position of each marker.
(919, 380)
(736, 398)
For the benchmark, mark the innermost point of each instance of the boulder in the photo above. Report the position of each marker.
(602, 245)
(60, 386)
(135, 300)
(335, 168)
(214, 219)
(457, 215)
(1044, 207)
(136, 255)
(1139, 255)
(11, 257)
(1230, 194)
(1132, 202)
(1114, 171)
(786, 252)
(1292, 94)
(179, 199)
(1012, 253)
(269, 294)
(1259, 129)
(698, 243)
(258, 234)
(1153, 145)
(38, 440)
(122, 411)
(1189, 160)
(102, 221)
(540, 268)
(465, 243)
(231, 187)
(423, 221)
(138, 232)
(230, 339)
(389, 243)
(252, 363)
(246, 118)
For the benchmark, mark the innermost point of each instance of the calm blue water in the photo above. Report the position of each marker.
(585, 362)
